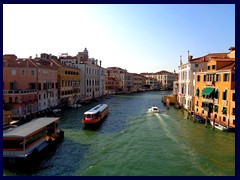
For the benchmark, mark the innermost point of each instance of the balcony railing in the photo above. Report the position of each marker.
(224, 102)
(205, 100)
(20, 91)
(210, 83)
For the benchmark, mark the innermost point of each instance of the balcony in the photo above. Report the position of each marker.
(224, 102)
(20, 91)
(209, 83)
(205, 100)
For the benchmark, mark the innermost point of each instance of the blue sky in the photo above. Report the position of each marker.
(138, 37)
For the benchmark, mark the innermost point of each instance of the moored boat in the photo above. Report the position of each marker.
(219, 126)
(24, 145)
(199, 119)
(75, 105)
(95, 115)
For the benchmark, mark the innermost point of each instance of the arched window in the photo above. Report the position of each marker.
(10, 100)
(16, 99)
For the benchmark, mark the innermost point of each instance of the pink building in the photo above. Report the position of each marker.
(19, 86)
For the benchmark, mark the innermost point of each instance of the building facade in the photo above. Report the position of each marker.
(19, 86)
(215, 92)
(92, 84)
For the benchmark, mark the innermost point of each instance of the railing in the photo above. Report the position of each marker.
(19, 91)
(210, 83)
(224, 102)
(205, 100)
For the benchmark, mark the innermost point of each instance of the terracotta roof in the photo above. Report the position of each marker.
(209, 57)
(228, 67)
(18, 63)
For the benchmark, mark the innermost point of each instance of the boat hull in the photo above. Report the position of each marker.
(219, 127)
(199, 119)
(95, 122)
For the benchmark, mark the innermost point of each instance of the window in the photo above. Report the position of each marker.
(16, 99)
(224, 110)
(218, 77)
(215, 108)
(13, 85)
(233, 97)
(224, 119)
(208, 68)
(197, 103)
(233, 121)
(216, 95)
(225, 77)
(215, 115)
(10, 100)
(233, 111)
(23, 72)
(204, 78)
(13, 72)
(213, 66)
(224, 95)
(39, 86)
(233, 77)
(198, 78)
(32, 72)
(196, 65)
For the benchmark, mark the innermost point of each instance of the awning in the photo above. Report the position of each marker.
(207, 91)
(224, 110)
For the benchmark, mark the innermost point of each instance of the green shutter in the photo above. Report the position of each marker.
(224, 111)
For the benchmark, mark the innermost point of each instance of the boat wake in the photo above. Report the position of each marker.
(166, 128)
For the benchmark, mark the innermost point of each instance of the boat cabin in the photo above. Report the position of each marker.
(20, 141)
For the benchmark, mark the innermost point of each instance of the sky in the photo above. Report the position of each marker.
(136, 37)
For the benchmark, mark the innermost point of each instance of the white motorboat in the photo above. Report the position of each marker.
(219, 126)
(154, 109)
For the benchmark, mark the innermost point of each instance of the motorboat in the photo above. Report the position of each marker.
(154, 109)
(219, 126)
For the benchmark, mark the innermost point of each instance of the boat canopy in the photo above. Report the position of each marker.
(96, 109)
(29, 128)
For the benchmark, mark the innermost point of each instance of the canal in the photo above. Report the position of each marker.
(134, 142)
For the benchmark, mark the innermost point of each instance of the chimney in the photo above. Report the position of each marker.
(181, 60)
(100, 63)
(36, 56)
(30, 57)
(190, 58)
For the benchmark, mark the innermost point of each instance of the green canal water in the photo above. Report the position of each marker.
(134, 142)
